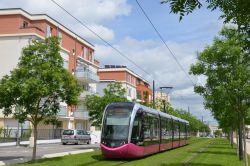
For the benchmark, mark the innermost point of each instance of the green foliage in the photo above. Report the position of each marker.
(145, 99)
(194, 123)
(226, 64)
(34, 89)
(96, 104)
(218, 133)
(207, 152)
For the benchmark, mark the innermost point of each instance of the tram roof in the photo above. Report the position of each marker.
(154, 111)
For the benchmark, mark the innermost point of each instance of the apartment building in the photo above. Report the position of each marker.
(135, 86)
(18, 28)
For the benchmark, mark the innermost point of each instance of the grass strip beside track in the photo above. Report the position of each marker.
(201, 152)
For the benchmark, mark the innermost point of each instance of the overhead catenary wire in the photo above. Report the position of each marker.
(102, 39)
(160, 36)
(106, 42)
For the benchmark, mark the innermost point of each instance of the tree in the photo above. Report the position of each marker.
(195, 124)
(218, 133)
(34, 89)
(235, 11)
(226, 66)
(96, 104)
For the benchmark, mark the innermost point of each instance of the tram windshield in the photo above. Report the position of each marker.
(116, 123)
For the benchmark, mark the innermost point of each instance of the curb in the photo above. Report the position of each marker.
(27, 143)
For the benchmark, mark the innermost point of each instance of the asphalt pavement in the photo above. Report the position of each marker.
(18, 154)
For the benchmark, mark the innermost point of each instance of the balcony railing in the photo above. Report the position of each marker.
(81, 114)
(86, 76)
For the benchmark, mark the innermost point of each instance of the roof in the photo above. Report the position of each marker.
(12, 11)
(121, 68)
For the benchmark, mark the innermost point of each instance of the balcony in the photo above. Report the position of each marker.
(86, 76)
(81, 114)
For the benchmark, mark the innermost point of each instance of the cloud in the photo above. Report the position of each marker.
(106, 33)
(92, 13)
(97, 11)
(150, 54)
(154, 57)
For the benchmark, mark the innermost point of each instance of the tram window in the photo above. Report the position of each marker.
(181, 130)
(147, 126)
(164, 130)
(155, 129)
(176, 130)
(169, 129)
(151, 129)
(137, 129)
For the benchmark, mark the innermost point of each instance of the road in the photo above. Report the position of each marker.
(13, 154)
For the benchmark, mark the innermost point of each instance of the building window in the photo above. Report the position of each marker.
(25, 24)
(90, 56)
(129, 92)
(49, 31)
(138, 94)
(60, 37)
(66, 64)
(85, 52)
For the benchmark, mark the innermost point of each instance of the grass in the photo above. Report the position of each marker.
(201, 152)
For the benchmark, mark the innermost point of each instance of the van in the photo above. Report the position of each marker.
(75, 137)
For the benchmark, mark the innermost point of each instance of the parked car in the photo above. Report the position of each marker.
(75, 136)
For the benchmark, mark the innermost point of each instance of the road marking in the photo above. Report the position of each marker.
(81, 151)
(66, 153)
(55, 155)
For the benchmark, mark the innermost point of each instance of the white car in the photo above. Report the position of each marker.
(75, 137)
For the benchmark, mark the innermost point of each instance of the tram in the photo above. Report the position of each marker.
(131, 130)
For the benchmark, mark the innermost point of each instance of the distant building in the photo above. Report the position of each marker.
(159, 95)
(213, 129)
(137, 89)
(18, 29)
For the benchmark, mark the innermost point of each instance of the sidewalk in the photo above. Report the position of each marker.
(46, 149)
(52, 141)
(52, 155)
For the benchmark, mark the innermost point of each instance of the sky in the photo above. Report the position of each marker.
(122, 24)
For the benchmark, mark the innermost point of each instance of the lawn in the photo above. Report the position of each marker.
(201, 152)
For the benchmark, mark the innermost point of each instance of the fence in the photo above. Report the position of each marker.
(11, 135)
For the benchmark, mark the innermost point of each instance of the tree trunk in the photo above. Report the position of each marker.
(237, 141)
(35, 141)
(245, 145)
(232, 138)
(240, 134)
